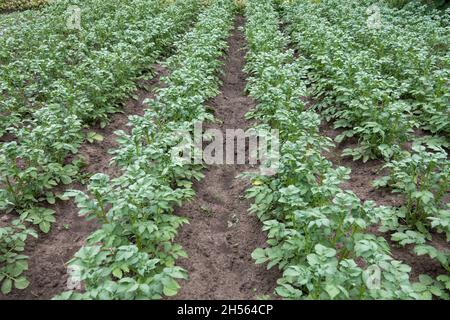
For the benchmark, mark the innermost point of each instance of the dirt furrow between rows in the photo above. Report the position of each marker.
(222, 235)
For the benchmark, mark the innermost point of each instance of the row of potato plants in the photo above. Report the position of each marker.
(364, 79)
(64, 80)
(44, 61)
(316, 231)
(377, 71)
(422, 177)
(132, 255)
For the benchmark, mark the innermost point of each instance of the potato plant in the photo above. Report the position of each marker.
(422, 178)
(12, 260)
(48, 116)
(379, 84)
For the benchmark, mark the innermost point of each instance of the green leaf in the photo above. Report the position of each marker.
(117, 273)
(19, 267)
(283, 292)
(94, 136)
(291, 272)
(6, 286)
(51, 198)
(171, 288)
(419, 287)
(259, 255)
(332, 290)
(425, 279)
(324, 251)
(44, 226)
(21, 283)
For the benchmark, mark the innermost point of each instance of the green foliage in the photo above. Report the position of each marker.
(32, 166)
(12, 262)
(55, 81)
(132, 255)
(92, 137)
(423, 178)
(377, 83)
(316, 231)
(397, 3)
(441, 4)
(41, 217)
(48, 96)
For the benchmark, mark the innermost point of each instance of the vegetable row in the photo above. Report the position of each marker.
(316, 231)
(132, 255)
(53, 83)
(379, 84)
(378, 72)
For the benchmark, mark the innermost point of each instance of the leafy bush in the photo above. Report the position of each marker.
(424, 179)
(441, 4)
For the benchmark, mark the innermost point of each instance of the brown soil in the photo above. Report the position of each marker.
(7, 137)
(222, 234)
(360, 183)
(362, 174)
(50, 252)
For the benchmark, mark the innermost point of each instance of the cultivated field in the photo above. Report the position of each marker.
(219, 149)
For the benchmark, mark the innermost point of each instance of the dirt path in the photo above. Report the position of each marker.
(222, 234)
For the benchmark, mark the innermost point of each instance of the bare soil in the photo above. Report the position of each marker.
(49, 253)
(222, 235)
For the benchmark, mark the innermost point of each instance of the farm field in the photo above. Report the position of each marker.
(221, 149)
